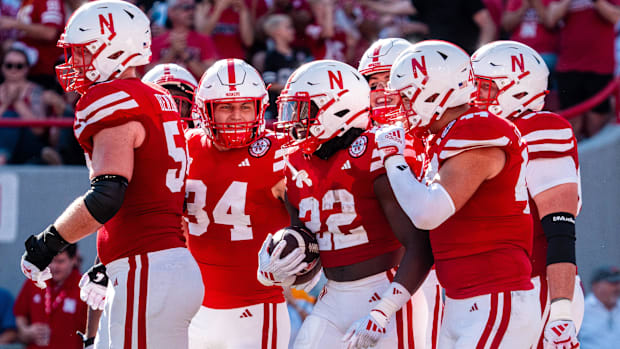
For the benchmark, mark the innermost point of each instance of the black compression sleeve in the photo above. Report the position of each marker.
(105, 196)
(559, 229)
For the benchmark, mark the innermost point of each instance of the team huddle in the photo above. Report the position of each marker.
(441, 197)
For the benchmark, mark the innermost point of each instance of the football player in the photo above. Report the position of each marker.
(375, 66)
(512, 83)
(337, 188)
(235, 192)
(475, 203)
(181, 85)
(133, 140)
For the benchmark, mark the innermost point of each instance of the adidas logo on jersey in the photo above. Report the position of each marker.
(346, 165)
(375, 297)
(244, 163)
(473, 307)
(396, 291)
(245, 314)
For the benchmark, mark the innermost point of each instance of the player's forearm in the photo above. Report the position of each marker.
(92, 322)
(561, 280)
(76, 222)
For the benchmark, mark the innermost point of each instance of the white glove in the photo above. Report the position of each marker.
(33, 273)
(94, 286)
(276, 271)
(560, 331)
(390, 140)
(561, 334)
(309, 285)
(367, 332)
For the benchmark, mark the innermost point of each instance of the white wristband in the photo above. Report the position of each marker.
(560, 309)
(391, 301)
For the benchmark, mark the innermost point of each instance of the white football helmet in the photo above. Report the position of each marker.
(379, 58)
(430, 77)
(101, 40)
(231, 81)
(322, 100)
(173, 75)
(519, 72)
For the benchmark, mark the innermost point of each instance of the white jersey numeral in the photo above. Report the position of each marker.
(334, 238)
(197, 207)
(175, 177)
(521, 187)
(229, 210)
(233, 200)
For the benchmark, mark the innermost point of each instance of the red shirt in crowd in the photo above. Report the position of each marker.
(199, 47)
(52, 14)
(586, 40)
(58, 306)
(226, 34)
(531, 31)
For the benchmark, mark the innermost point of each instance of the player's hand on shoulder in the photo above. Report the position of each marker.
(93, 286)
(366, 332)
(276, 271)
(390, 140)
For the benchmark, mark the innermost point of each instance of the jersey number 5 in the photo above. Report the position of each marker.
(174, 182)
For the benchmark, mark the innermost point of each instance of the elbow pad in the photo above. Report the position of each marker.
(105, 196)
(427, 206)
(559, 229)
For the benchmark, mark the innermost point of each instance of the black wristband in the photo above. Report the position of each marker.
(86, 341)
(42, 248)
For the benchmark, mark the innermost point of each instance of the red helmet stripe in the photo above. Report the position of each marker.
(231, 75)
(375, 54)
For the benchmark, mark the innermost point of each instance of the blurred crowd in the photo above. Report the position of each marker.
(277, 36)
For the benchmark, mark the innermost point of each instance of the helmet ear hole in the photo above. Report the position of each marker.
(520, 95)
(432, 98)
(116, 54)
(342, 113)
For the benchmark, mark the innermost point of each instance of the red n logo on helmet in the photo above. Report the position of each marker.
(333, 78)
(109, 24)
(516, 62)
(416, 65)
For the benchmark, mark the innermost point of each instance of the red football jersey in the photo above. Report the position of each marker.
(336, 200)
(150, 216)
(230, 211)
(484, 247)
(548, 136)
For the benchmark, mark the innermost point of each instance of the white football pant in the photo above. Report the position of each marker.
(503, 320)
(342, 303)
(258, 326)
(151, 300)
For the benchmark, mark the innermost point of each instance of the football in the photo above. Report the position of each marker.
(298, 237)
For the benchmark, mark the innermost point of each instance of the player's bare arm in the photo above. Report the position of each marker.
(561, 198)
(112, 155)
(418, 257)
(462, 174)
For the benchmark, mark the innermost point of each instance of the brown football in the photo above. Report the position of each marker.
(298, 237)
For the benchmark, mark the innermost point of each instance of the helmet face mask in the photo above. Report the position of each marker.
(320, 101)
(78, 71)
(232, 83)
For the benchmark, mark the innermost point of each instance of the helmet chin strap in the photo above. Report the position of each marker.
(329, 148)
